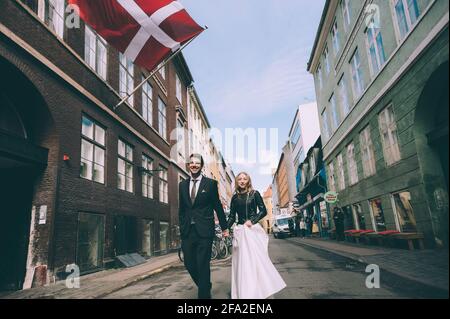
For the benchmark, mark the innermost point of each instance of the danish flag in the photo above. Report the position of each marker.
(145, 31)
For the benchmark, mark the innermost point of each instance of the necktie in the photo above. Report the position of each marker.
(194, 190)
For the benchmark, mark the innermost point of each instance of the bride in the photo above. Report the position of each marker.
(253, 276)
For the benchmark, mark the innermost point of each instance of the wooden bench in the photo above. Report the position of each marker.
(380, 237)
(361, 235)
(410, 238)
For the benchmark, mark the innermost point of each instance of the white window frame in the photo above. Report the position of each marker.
(392, 154)
(325, 125)
(147, 102)
(96, 52)
(58, 8)
(162, 71)
(409, 23)
(320, 76)
(346, 17)
(331, 178)
(335, 38)
(367, 153)
(162, 118)
(163, 185)
(181, 140)
(334, 112)
(352, 165)
(126, 85)
(97, 144)
(126, 158)
(380, 53)
(326, 57)
(344, 99)
(147, 177)
(341, 172)
(178, 89)
(357, 75)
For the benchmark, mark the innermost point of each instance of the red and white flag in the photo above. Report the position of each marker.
(146, 31)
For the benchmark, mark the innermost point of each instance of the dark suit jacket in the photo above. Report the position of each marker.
(202, 210)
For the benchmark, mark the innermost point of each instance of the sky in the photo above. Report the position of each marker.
(249, 70)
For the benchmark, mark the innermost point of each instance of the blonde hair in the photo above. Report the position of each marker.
(249, 187)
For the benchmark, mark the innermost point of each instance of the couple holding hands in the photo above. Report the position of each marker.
(253, 276)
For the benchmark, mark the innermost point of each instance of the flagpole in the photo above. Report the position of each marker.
(173, 55)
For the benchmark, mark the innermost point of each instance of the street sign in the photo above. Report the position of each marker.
(331, 197)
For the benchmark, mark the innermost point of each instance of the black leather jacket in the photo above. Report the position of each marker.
(247, 207)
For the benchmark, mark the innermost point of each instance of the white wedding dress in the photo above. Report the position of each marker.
(253, 275)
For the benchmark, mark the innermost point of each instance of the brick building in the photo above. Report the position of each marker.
(81, 182)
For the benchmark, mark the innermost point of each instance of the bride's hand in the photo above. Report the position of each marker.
(248, 223)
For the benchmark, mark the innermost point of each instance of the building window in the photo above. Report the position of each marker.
(90, 238)
(147, 102)
(319, 76)
(326, 59)
(359, 216)
(126, 78)
(148, 235)
(404, 212)
(367, 153)
(406, 13)
(178, 88)
(164, 237)
(125, 167)
(341, 173)
(377, 56)
(351, 165)
(331, 179)
(346, 14)
(162, 120)
(376, 209)
(335, 36)
(92, 151)
(147, 176)
(95, 53)
(181, 144)
(312, 165)
(163, 185)
(162, 70)
(296, 135)
(343, 94)
(325, 125)
(52, 13)
(357, 75)
(388, 131)
(334, 112)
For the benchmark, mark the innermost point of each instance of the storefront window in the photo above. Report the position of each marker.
(359, 216)
(147, 237)
(404, 211)
(90, 241)
(377, 214)
(324, 215)
(163, 236)
(349, 223)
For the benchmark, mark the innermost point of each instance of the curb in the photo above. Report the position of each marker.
(136, 279)
(391, 272)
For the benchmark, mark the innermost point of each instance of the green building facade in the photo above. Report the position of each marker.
(381, 74)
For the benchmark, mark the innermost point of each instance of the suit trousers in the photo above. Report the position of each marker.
(197, 259)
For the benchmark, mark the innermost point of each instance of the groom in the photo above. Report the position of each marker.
(199, 198)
